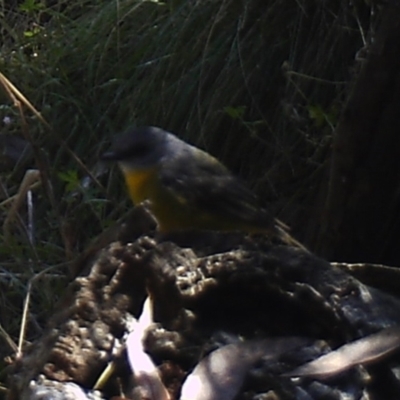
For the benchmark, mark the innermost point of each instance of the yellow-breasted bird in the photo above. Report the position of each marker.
(187, 188)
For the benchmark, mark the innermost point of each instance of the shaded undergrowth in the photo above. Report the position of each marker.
(258, 84)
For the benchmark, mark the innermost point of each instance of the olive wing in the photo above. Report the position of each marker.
(202, 183)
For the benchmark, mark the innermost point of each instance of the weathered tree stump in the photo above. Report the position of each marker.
(222, 288)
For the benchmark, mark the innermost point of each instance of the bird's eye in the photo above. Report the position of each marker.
(139, 149)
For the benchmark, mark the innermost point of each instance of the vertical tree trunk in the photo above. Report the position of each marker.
(361, 217)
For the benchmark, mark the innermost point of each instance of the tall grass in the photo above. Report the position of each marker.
(258, 84)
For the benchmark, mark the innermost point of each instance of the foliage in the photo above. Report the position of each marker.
(258, 84)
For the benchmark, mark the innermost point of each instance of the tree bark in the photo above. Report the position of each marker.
(361, 218)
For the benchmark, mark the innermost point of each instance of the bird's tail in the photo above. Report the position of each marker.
(283, 234)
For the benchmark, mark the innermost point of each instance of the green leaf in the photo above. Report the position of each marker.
(70, 178)
(30, 6)
(317, 114)
(235, 112)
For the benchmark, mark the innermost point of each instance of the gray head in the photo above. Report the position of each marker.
(142, 147)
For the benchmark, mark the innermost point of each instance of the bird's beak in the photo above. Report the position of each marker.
(109, 156)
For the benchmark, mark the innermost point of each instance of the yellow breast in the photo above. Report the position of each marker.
(140, 184)
(174, 213)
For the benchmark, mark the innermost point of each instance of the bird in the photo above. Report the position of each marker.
(186, 187)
